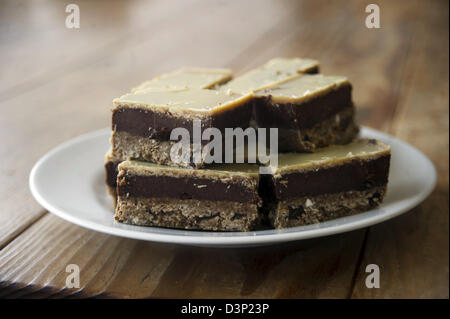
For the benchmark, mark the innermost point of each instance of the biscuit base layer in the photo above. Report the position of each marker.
(314, 209)
(187, 214)
(337, 129)
(127, 146)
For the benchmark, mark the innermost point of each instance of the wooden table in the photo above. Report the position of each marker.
(57, 83)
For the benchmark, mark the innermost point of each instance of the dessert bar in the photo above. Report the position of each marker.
(224, 198)
(326, 174)
(305, 188)
(335, 181)
(142, 122)
(310, 111)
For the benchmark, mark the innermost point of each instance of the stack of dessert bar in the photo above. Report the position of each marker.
(324, 171)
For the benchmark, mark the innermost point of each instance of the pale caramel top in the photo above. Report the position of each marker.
(183, 101)
(273, 72)
(303, 88)
(222, 171)
(363, 149)
(202, 78)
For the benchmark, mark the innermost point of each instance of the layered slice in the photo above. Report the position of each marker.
(335, 181)
(271, 73)
(223, 199)
(310, 111)
(200, 78)
(142, 122)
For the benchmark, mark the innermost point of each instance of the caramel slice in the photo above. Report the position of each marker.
(335, 181)
(142, 122)
(310, 111)
(224, 198)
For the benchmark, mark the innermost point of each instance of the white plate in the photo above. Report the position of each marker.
(69, 182)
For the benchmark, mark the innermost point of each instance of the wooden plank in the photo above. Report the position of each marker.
(412, 251)
(146, 31)
(35, 34)
(34, 264)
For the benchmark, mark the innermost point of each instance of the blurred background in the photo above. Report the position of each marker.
(57, 83)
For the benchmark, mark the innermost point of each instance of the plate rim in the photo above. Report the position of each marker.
(223, 239)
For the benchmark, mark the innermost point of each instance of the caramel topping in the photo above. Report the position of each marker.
(214, 171)
(302, 88)
(363, 149)
(182, 101)
(201, 78)
(273, 72)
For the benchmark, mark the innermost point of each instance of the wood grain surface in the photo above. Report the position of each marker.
(57, 83)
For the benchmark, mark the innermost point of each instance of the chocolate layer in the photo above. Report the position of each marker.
(158, 125)
(313, 70)
(356, 175)
(111, 173)
(162, 186)
(304, 115)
